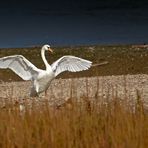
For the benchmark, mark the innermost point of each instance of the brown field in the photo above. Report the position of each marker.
(105, 107)
(122, 60)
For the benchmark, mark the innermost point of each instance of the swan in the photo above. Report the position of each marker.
(41, 79)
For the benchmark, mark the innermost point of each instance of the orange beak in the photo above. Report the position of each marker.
(50, 50)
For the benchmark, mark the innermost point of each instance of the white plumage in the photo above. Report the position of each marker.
(41, 78)
(70, 63)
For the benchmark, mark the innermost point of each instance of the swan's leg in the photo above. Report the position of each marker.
(46, 93)
(33, 93)
(34, 90)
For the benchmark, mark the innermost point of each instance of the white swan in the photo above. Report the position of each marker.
(41, 78)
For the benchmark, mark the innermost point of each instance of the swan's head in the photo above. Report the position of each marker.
(47, 47)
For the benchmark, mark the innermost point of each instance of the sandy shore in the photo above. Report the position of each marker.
(102, 88)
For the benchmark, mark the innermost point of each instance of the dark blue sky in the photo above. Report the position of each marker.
(18, 6)
(73, 22)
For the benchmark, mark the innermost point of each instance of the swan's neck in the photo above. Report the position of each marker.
(44, 59)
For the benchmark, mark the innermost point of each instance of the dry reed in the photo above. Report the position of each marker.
(85, 124)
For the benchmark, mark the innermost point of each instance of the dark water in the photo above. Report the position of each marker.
(108, 26)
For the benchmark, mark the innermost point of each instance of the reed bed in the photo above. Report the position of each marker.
(80, 124)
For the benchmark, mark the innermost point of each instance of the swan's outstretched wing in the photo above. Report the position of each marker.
(70, 63)
(20, 65)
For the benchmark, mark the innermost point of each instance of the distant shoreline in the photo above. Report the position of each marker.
(144, 45)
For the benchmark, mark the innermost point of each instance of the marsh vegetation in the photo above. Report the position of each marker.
(105, 111)
(75, 124)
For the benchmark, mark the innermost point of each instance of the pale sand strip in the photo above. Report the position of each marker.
(103, 87)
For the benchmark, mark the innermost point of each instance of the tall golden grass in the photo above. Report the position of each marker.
(85, 124)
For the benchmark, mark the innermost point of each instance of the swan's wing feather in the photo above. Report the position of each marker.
(20, 65)
(70, 63)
